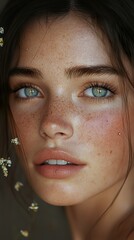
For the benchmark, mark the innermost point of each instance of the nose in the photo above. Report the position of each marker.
(55, 124)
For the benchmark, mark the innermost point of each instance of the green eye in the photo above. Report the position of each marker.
(28, 92)
(97, 92)
(31, 92)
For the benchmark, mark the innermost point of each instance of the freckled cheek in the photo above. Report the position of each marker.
(27, 125)
(101, 127)
(103, 135)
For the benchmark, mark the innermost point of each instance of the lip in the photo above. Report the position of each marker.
(48, 154)
(57, 171)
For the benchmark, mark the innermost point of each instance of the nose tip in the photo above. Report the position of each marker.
(56, 129)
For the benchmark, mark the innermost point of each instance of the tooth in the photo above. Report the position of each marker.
(51, 162)
(61, 162)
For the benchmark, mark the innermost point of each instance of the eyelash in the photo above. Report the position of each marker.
(20, 87)
(102, 85)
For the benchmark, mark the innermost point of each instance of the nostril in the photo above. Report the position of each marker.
(60, 133)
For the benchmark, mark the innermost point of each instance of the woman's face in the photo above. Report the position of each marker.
(67, 103)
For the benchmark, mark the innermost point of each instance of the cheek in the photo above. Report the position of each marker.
(103, 139)
(103, 127)
(27, 126)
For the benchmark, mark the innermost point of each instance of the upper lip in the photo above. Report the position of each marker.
(48, 154)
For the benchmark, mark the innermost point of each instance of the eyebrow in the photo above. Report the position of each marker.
(77, 71)
(25, 71)
(80, 71)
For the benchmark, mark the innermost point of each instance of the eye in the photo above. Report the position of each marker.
(97, 92)
(28, 92)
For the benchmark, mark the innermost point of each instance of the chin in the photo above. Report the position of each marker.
(57, 198)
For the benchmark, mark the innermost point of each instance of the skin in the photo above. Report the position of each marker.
(65, 117)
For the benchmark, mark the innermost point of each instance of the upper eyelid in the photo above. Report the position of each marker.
(25, 85)
(18, 80)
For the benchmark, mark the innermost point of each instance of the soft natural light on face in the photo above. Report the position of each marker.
(66, 116)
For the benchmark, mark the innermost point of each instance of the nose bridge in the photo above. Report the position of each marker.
(56, 121)
(57, 108)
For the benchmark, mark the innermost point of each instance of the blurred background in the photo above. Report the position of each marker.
(2, 3)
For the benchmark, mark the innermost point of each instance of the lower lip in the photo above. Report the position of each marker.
(58, 171)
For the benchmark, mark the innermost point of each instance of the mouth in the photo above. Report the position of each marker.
(57, 164)
(56, 157)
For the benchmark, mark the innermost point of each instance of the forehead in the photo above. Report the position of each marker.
(69, 38)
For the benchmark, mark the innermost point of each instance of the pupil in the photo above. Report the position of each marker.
(99, 92)
(30, 92)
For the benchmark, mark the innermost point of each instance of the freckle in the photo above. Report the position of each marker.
(93, 182)
(111, 151)
(98, 154)
(89, 117)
